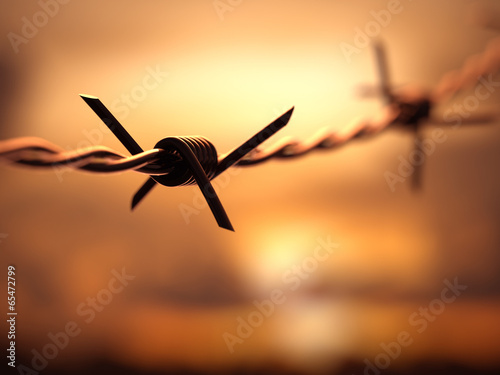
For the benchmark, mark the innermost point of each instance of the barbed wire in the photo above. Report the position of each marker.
(37, 152)
(177, 161)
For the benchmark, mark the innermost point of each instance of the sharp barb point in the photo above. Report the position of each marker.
(238, 153)
(112, 123)
(142, 192)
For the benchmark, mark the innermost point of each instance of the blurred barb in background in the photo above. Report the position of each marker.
(413, 285)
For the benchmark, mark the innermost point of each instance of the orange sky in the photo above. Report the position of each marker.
(226, 79)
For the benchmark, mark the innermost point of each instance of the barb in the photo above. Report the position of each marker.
(36, 152)
(177, 161)
(408, 109)
(174, 161)
(324, 139)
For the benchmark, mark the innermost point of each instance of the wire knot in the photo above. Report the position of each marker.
(185, 160)
(182, 172)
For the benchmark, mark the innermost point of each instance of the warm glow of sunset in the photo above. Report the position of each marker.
(163, 288)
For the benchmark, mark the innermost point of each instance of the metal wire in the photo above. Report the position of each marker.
(475, 67)
(36, 152)
(192, 160)
(323, 139)
(402, 109)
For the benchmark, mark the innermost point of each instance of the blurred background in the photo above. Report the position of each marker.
(225, 69)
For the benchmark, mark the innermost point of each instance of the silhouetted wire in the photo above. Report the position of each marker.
(193, 160)
(37, 152)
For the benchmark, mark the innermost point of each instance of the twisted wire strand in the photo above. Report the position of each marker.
(323, 139)
(37, 152)
(475, 67)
